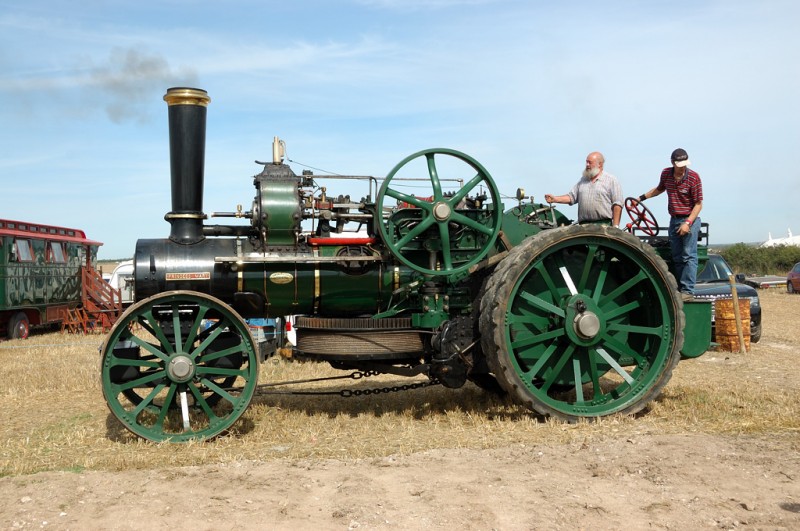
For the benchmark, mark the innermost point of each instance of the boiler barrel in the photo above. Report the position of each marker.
(264, 288)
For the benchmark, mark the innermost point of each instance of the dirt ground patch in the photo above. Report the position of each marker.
(687, 481)
(668, 469)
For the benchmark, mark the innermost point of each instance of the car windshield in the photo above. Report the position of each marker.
(716, 270)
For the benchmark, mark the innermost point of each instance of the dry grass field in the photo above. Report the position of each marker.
(719, 449)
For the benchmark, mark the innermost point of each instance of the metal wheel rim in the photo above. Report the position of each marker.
(548, 360)
(172, 407)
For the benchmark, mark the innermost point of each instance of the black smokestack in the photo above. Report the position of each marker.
(187, 147)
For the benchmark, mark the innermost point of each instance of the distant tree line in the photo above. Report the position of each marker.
(747, 259)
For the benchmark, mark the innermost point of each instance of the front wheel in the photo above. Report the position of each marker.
(179, 366)
(582, 321)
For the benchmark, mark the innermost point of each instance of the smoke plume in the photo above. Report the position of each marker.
(129, 80)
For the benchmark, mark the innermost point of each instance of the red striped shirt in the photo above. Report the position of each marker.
(682, 195)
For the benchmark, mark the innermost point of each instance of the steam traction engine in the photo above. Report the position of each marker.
(572, 321)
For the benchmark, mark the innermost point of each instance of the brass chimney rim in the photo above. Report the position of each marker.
(187, 96)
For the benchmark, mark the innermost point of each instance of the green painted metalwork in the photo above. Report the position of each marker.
(529, 219)
(586, 321)
(437, 236)
(698, 330)
(179, 366)
(280, 211)
(571, 321)
(326, 288)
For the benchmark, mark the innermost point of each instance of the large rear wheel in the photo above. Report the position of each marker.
(582, 321)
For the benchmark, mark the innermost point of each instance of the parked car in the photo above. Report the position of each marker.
(122, 279)
(793, 279)
(713, 284)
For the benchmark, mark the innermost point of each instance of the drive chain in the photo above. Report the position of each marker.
(345, 393)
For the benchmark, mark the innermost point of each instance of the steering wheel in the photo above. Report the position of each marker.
(436, 224)
(641, 217)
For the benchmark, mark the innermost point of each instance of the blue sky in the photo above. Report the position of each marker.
(528, 88)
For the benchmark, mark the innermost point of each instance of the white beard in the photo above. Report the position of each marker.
(591, 173)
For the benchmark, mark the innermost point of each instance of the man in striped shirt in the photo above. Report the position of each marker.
(685, 200)
(598, 194)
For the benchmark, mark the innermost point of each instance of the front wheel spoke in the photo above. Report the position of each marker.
(219, 390)
(165, 407)
(206, 358)
(198, 352)
(148, 399)
(184, 410)
(142, 382)
(202, 402)
(176, 327)
(145, 324)
(198, 320)
(125, 362)
(461, 219)
(220, 371)
(152, 349)
(158, 332)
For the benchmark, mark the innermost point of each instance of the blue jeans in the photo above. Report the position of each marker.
(684, 253)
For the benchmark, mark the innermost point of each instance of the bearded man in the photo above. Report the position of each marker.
(598, 194)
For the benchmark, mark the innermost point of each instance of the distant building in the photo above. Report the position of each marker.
(788, 240)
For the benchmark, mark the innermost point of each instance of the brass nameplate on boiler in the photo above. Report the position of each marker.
(189, 276)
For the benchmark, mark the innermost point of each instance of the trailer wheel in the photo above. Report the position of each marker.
(18, 326)
(179, 366)
(581, 322)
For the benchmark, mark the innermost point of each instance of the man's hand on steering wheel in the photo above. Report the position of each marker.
(641, 217)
